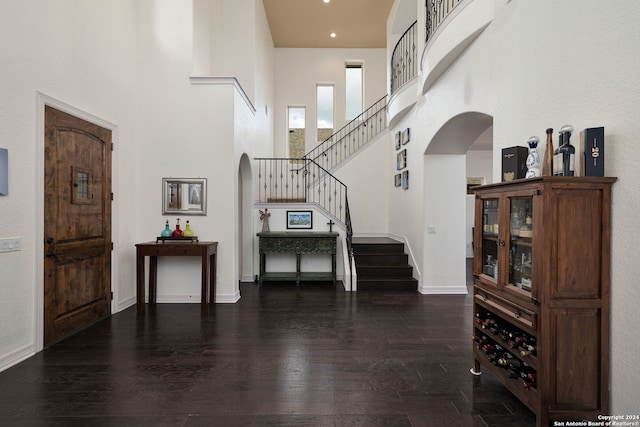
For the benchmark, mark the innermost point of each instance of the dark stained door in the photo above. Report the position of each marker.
(77, 224)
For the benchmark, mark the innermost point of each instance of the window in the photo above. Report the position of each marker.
(353, 95)
(297, 122)
(324, 99)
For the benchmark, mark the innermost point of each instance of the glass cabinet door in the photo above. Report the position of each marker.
(490, 231)
(520, 242)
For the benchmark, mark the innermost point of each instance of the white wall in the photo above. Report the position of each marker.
(80, 54)
(298, 71)
(528, 80)
(202, 131)
(369, 209)
(127, 63)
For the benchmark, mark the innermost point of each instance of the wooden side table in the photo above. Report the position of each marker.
(206, 250)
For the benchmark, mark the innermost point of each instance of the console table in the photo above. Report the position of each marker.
(206, 250)
(297, 243)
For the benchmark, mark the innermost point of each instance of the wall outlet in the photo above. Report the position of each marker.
(10, 244)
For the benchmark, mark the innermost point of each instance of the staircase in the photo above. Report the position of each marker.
(382, 265)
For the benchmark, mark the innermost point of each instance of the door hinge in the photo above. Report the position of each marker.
(111, 294)
(112, 197)
(112, 146)
(111, 245)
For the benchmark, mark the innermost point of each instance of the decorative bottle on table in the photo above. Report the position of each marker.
(177, 232)
(188, 232)
(167, 231)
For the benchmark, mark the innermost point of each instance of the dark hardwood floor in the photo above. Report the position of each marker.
(284, 355)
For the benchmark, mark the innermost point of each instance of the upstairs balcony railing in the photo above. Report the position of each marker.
(437, 11)
(351, 137)
(404, 60)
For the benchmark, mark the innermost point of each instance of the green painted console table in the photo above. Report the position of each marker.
(297, 243)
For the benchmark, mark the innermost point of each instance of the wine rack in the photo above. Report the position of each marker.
(541, 293)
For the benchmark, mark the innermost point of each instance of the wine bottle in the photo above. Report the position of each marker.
(557, 156)
(507, 362)
(488, 348)
(513, 373)
(547, 165)
(568, 153)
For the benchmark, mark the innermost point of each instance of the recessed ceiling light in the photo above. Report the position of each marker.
(326, 1)
(333, 35)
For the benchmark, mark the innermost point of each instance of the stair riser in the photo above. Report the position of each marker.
(379, 260)
(387, 285)
(378, 249)
(400, 272)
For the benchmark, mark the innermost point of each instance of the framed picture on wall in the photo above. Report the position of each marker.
(300, 220)
(472, 182)
(401, 161)
(405, 180)
(397, 180)
(405, 136)
(398, 139)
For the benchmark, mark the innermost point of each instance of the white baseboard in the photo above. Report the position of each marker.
(13, 358)
(443, 290)
(125, 303)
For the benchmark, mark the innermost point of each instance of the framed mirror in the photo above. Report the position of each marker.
(184, 196)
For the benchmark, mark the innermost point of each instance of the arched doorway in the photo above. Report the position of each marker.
(245, 221)
(445, 174)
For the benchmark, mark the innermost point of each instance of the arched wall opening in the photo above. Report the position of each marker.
(445, 198)
(245, 221)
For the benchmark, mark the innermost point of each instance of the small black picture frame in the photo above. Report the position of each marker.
(405, 136)
(401, 161)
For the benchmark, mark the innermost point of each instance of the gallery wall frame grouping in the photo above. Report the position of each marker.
(401, 179)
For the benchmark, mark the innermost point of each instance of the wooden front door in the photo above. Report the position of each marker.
(77, 224)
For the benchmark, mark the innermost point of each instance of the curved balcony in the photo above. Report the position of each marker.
(451, 26)
(404, 73)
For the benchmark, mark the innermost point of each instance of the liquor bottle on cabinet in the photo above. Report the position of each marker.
(564, 159)
(557, 156)
(569, 152)
(547, 164)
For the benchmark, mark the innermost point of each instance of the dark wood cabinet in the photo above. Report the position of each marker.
(542, 277)
(298, 244)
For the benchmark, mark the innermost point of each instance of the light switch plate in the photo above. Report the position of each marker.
(10, 244)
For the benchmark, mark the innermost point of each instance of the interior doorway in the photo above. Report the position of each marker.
(445, 177)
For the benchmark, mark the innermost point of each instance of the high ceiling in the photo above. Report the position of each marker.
(309, 23)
